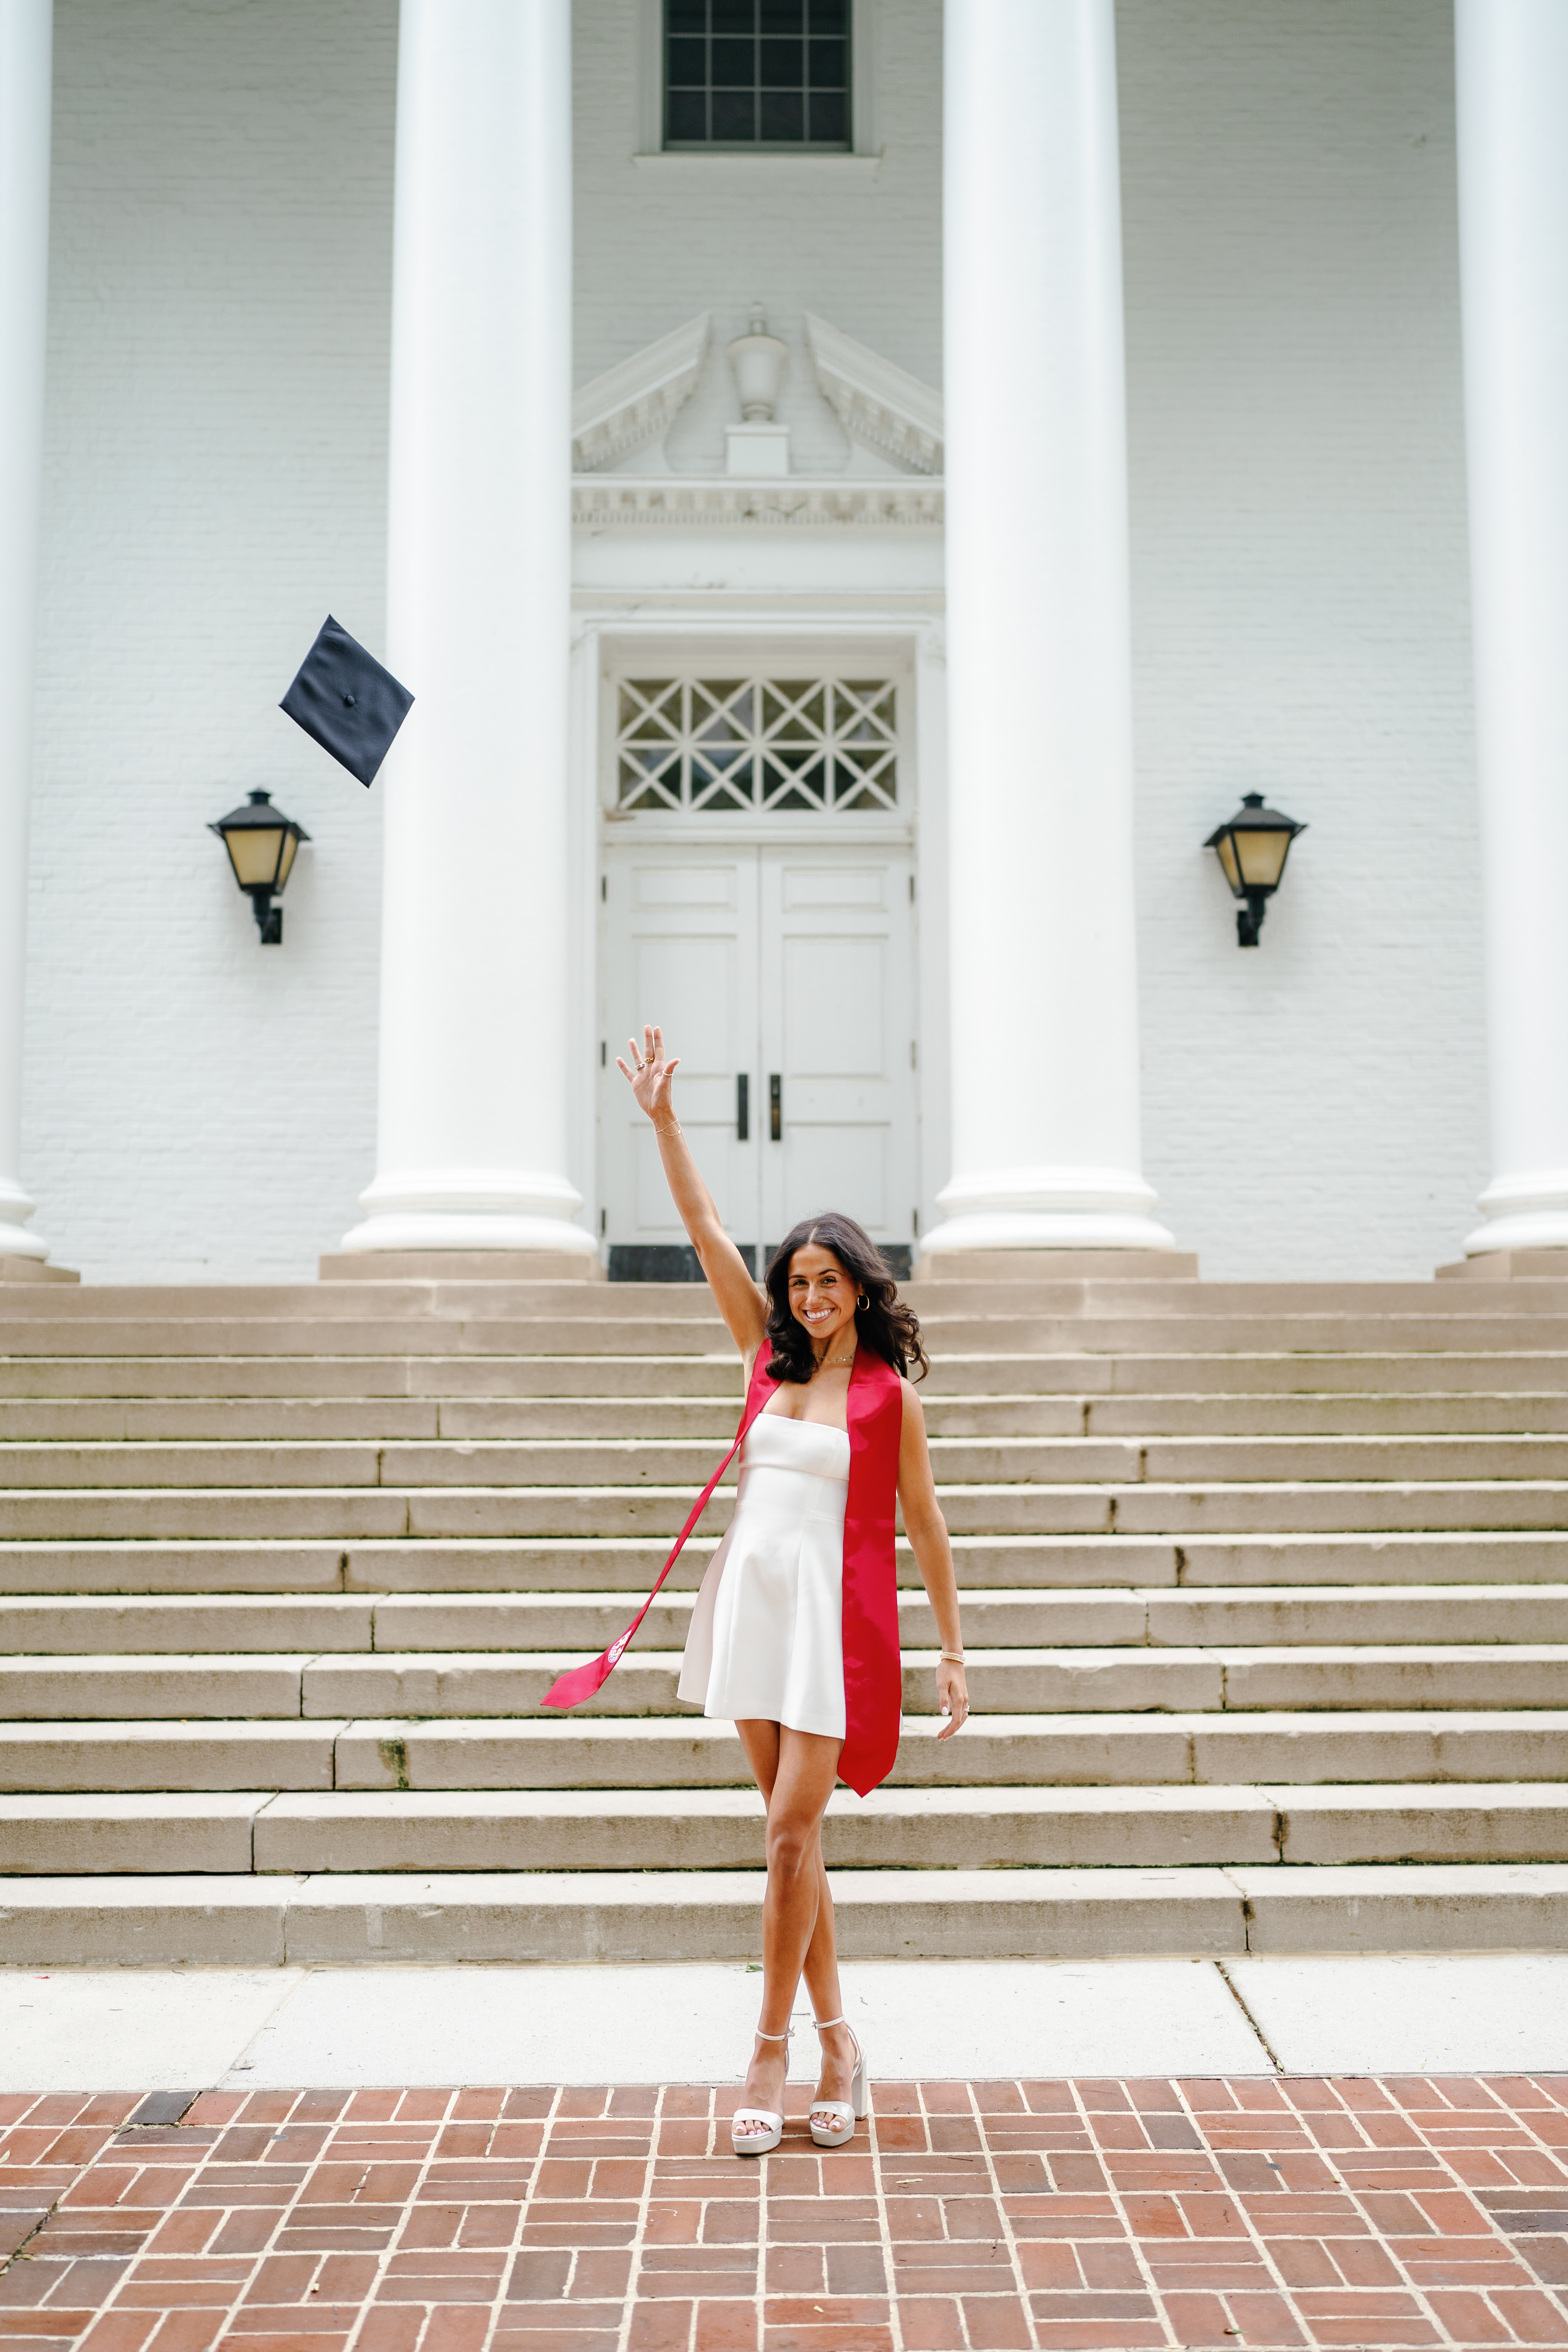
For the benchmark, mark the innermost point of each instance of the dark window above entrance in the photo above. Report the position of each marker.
(756, 73)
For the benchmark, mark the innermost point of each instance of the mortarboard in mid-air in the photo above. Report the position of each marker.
(347, 701)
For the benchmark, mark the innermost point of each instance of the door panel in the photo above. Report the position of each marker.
(838, 1004)
(790, 962)
(679, 946)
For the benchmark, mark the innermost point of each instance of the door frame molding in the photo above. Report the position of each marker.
(907, 629)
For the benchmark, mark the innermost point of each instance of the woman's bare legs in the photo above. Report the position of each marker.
(795, 1771)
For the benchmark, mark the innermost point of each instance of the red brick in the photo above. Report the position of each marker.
(930, 2324)
(1469, 2319)
(1534, 2317)
(119, 2331)
(997, 2323)
(390, 2327)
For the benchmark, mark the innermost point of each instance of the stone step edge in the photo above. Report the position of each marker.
(917, 1658)
(393, 1918)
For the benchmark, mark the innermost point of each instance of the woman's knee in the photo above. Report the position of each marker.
(792, 1845)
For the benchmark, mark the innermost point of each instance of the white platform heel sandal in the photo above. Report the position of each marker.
(761, 2142)
(844, 2112)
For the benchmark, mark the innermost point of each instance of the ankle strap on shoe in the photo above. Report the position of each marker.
(822, 2023)
(787, 2035)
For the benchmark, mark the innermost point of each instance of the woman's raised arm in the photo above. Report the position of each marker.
(741, 1303)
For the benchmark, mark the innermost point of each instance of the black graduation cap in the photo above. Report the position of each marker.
(344, 699)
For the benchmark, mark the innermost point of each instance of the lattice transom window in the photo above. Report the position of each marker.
(757, 745)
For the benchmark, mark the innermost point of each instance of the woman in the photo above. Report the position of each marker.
(795, 1633)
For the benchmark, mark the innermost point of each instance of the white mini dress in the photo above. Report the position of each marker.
(766, 1638)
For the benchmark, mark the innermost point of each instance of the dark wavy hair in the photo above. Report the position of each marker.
(885, 1325)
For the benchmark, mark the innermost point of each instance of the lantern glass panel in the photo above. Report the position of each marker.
(254, 850)
(1261, 852)
(1226, 849)
(285, 863)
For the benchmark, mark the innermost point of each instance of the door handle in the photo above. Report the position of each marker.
(742, 1108)
(775, 1107)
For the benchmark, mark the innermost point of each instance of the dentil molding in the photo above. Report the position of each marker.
(788, 499)
(639, 400)
(879, 405)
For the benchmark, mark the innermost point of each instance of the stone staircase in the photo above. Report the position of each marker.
(1264, 1594)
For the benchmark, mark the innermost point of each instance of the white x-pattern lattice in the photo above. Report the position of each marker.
(757, 745)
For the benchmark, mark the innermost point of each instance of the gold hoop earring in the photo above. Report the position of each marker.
(860, 1302)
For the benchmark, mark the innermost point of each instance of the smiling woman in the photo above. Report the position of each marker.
(794, 1634)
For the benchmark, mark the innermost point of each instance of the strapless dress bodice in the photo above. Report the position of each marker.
(775, 1442)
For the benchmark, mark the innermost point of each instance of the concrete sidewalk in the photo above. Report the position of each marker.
(345, 2028)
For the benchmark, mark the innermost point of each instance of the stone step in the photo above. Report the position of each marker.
(1003, 1750)
(1010, 1682)
(344, 1515)
(413, 1919)
(416, 1919)
(1077, 1293)
(721, 1828)
(690, 1335)
(140, 1420)
(485, 1564)
(1188, 1374)
(95, 1625)
(1259, 1371)
(1344, 1414)
(273, 1755)
(614, 1463)
(242, 1378)
(686, 1752)
(703, 1333)
(419, 1302)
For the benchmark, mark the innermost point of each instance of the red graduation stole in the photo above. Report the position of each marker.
(873, 1680)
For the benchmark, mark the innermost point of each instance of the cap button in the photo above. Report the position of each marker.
(350, 699)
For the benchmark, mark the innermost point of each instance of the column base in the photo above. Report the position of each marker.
(1522, 1213)
(17, 1246)
(1509, 1266)
(1047, 1209)
(469, 1209)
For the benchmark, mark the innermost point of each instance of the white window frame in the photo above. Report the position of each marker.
(650, 145)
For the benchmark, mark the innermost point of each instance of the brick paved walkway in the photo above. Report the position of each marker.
(1348, 2212)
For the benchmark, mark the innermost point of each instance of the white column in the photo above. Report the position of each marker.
(25, 80)
(473, 1150)
(1044, 983)
(1512, 76)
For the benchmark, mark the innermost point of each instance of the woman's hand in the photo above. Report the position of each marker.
(649, 1074)
(951, 1697)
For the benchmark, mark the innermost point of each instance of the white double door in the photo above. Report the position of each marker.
(783, 978)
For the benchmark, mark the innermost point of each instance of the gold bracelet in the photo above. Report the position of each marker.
(676, 1129)
(953, 1657)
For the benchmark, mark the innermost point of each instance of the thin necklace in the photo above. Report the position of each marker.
(829, 1362)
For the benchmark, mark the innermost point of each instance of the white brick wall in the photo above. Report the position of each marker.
(196, 1105)
(199, 1105)
(1300, 597)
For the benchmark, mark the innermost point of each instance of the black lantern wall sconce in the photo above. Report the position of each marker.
(261, 843)
(1252, 847)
